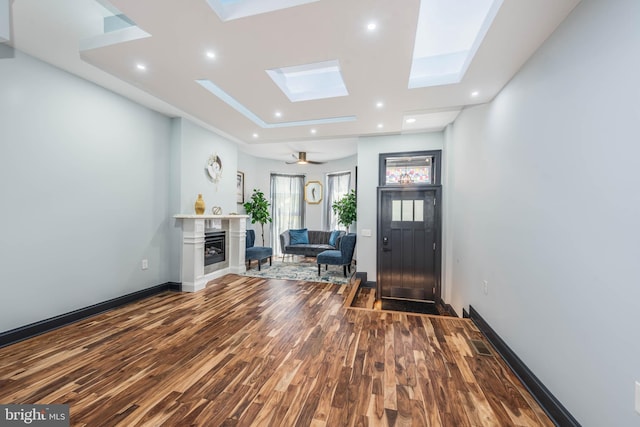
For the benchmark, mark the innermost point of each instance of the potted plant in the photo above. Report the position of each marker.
(345, 208)
(258, 208)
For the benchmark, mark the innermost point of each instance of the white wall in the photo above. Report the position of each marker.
(369, 149)
(83, 179)
(191, 147)
(545, 206)
(196, 146)
(257, 174)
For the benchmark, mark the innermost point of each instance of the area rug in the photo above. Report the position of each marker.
(304, 271)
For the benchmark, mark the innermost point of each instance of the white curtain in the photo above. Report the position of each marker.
(287, 206)
(337, 187)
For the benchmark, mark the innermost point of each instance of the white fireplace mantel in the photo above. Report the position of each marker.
(193, 229)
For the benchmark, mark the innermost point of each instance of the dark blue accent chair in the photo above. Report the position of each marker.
(342, 256)
(256, 252)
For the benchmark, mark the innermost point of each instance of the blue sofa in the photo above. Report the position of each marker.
(318, 242)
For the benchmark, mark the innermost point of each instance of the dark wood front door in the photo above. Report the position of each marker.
(409, 243)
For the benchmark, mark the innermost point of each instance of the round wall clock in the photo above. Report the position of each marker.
(214, 167)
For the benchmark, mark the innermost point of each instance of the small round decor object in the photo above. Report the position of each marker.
(216, 210)
(199, 206)
(214, 167)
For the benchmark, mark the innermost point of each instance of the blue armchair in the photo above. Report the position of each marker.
(342, 256)
(256, 252)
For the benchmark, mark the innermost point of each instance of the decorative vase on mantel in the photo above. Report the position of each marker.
(199, 206)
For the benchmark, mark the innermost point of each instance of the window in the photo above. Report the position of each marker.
(338, 185)
(413, 168)
(407, 210)
(287, 206)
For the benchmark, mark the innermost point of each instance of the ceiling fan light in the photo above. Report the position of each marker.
(302, 159)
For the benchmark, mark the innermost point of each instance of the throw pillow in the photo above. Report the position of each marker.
(299, 237)
(333, 237)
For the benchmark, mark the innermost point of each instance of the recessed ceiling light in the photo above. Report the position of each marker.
(313, 131)
(379, 104)
(278, 114)
(210, 54)
(475, 93)
(255, 135)
(380, 125)
(411, 120)
(141, 67)
(371, 26)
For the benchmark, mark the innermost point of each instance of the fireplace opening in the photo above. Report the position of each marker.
(214, 247)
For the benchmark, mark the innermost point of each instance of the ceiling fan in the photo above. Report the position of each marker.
(302, 159)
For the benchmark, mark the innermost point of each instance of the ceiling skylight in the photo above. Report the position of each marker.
(117, 28)
(233, 103)
(228, 10)
(448, 36)
(310, 81)
(116, 22)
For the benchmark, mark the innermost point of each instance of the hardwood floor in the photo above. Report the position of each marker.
(250, 351)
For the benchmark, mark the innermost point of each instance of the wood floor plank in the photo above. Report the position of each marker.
(259, 352)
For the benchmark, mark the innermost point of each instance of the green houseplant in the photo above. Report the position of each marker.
(345, 208)
(258, 208)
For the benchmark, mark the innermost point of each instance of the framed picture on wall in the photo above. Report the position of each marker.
(240, 187)
(313, 192)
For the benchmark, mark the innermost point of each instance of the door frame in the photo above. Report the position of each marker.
(438, 225)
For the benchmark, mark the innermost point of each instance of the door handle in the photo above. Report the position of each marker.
(385, 244)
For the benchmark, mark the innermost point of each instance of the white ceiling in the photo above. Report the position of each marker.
(375, 65)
